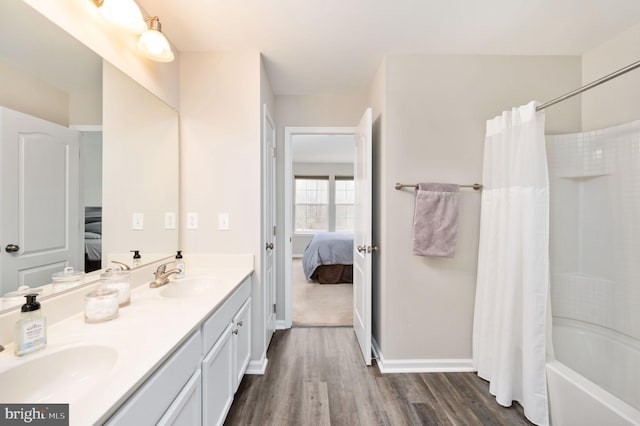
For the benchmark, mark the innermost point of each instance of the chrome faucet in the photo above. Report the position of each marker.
(162, 275)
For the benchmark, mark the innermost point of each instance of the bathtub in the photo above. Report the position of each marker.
(595, 379)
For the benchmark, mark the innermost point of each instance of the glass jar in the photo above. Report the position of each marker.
(119, 280)
(66, 279)
(101, 305)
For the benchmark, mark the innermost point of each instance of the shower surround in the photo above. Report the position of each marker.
(595, 292)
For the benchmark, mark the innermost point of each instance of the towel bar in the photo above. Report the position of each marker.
(475, 186)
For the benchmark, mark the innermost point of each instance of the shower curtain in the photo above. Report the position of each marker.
(513, 263)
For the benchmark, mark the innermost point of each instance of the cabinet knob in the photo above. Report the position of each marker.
(235, 331)
(11, 248)
(240, 323)
(269, 246)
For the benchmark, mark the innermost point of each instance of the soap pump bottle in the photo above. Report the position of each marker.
(31, 328)
(180, 265)
(137, 259)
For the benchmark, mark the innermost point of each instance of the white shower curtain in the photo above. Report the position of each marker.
(513, 263)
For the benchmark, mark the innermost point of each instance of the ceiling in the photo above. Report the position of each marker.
(335, 46)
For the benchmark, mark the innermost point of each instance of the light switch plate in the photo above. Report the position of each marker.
(169, 220)
(223, 221)
(192, 220)
(137, 222)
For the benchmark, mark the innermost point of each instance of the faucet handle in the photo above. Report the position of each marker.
(161, 270)
(122, 265)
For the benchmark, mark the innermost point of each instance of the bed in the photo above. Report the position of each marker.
(92, 238)
(328, 258)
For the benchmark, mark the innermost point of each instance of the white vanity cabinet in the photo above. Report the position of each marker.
(227, 349)
(195, 386)
(242, 342)
(163, 390)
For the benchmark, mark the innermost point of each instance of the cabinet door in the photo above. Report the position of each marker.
(217, 380)
(186, 409)
(242, 342)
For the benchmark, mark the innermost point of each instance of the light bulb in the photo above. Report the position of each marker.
(153, 44)
(122, 13)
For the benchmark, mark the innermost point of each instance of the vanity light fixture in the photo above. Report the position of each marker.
(153, 44)
(122, 13)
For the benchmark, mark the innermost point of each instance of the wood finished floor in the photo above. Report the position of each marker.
(316, 376)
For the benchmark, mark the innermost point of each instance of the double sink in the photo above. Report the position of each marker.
(66, 372)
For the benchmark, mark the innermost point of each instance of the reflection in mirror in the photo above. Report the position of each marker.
(51, 84)
(53, 204)
(141, 162)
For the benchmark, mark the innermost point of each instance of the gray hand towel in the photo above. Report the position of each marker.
(435, 220)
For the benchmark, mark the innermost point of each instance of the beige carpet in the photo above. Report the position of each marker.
(320, 304)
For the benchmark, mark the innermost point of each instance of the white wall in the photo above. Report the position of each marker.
(220, 100)
(31, 96)
(307, 111)
(616, 101)
(91, 153)
(435, 109)
(82, 20)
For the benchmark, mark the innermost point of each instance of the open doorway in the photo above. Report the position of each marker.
(319, 202)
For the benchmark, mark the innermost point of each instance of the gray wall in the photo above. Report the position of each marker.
(434, 114)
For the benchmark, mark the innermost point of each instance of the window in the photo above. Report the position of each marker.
(311, 204)
(323, 203)
(344, 203)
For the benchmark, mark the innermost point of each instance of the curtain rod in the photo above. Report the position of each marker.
(589, 86)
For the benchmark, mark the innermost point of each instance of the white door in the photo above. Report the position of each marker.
(269, 222)
(362, 247)
(40, 229)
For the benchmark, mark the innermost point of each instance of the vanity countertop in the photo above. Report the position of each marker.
(144, 335)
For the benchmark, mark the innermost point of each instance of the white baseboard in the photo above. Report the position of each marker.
(420, 365)
(281, 325)
(257, 366)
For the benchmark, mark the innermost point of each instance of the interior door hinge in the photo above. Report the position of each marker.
(274, 230)
(274, 308)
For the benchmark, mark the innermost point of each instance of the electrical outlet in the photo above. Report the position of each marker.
(223, 221)
(169, 220)
(192, 220)
(137, 222)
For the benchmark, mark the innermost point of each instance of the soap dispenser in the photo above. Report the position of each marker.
(137, 259)
(31, 328)
(180, 265)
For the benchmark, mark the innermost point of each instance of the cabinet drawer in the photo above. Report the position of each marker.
(220, 319)
(151, 400)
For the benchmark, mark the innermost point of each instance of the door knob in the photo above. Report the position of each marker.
(11, 248)
(269, 246)
(362, 249)
(372, 249)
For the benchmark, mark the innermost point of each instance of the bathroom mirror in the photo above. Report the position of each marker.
(128, 149)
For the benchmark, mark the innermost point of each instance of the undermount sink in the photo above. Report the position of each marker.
(59, 376)
(187, 287)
